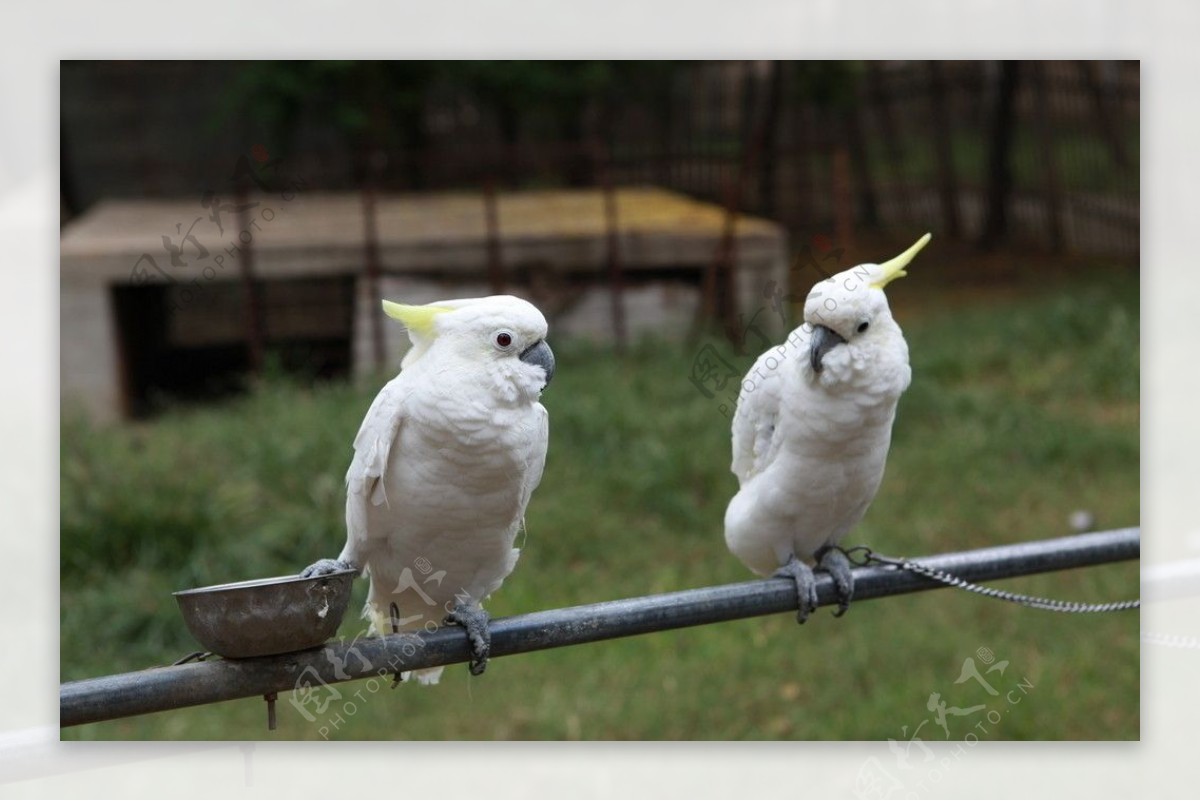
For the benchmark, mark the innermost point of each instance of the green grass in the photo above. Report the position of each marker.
(1022, 409)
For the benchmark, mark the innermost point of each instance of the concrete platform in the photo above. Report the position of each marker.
(431, 246)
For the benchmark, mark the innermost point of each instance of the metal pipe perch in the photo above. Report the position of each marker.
(174, 687)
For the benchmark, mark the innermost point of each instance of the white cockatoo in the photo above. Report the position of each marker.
(812, 430)
(444, 465)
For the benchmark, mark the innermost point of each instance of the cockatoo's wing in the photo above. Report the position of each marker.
(365, 485)
(757, 415)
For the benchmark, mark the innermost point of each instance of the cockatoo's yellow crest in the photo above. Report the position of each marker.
(415, 318)
(894, 268)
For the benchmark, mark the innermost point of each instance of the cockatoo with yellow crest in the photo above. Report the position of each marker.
(444, 465)
(812, 430)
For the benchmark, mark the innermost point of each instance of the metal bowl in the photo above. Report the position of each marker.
(266, 616)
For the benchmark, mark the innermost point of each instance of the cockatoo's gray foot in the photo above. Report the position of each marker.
(806, 586)
(833, 560)
(475, 621)
(323, 567)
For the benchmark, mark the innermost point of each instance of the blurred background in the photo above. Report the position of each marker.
(1039, 153)
(228, 229)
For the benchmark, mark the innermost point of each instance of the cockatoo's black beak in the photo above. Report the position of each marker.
(821, 341)
(541, 355)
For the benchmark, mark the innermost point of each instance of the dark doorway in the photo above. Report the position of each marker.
(188, 343)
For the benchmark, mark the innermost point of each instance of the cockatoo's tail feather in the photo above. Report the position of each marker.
(894, 268)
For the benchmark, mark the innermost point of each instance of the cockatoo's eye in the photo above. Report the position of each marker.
(863, 326)
(503, 340)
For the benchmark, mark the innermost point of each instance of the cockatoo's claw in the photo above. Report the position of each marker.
(834, 560)
(475, 621)
(323, 567)
(806, 586)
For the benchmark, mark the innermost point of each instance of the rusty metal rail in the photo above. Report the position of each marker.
(163, 688)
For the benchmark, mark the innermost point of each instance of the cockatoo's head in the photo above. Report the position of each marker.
(504, 335)
(850, 309)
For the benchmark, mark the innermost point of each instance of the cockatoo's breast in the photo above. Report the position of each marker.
(475, 452)
(850, 405)
(457, 481)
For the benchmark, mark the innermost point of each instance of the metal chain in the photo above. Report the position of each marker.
(1048, 604)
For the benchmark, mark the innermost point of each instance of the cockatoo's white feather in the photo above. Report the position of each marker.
(446, 460)
(812, 430)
